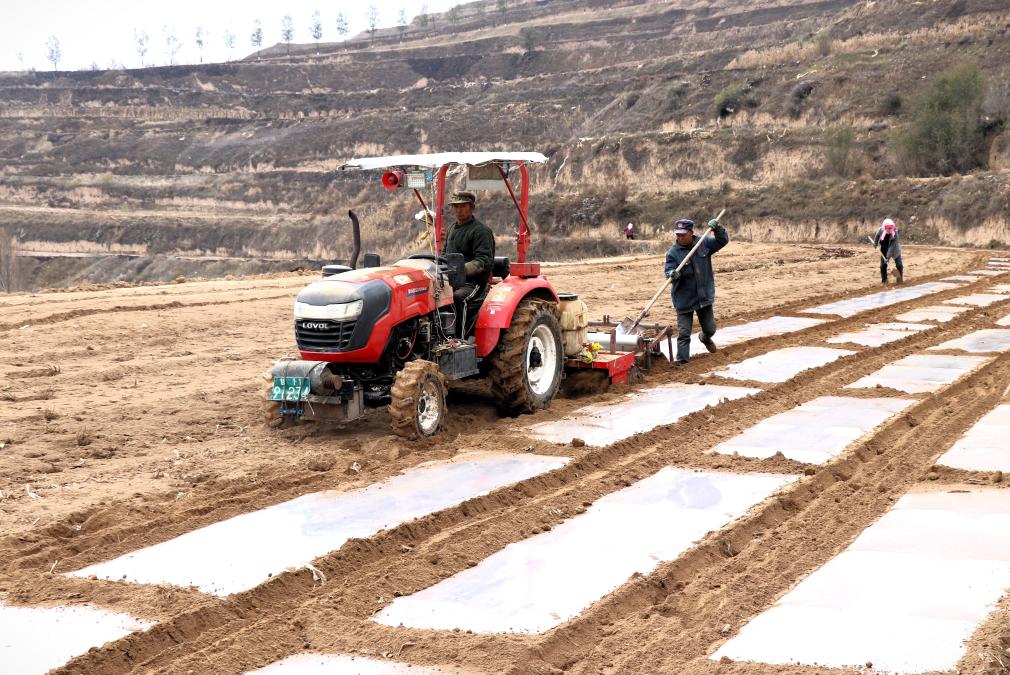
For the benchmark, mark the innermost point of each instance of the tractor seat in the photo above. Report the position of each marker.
(500, 267)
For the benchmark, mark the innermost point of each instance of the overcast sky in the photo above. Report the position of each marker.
(102, 32)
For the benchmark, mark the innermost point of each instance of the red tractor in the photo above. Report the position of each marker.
(390, 335)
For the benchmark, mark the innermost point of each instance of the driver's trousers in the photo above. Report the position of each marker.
(459, 297)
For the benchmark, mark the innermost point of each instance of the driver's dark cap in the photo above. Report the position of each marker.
(463, 198)
(683, 226)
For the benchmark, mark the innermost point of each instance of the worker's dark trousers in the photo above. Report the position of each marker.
(685, 321)
(883, 268)
(460, 296)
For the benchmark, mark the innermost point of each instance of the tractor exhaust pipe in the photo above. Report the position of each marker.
(356, 234)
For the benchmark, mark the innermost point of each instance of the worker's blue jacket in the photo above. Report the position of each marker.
(696, 286)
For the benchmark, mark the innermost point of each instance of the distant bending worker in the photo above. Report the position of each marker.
(890, 249)
(693, 288)
(475, 241)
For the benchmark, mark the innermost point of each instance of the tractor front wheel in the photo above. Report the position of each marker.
(418, 395)
(527, 364)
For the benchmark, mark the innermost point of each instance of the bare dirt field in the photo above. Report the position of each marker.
(130, 416)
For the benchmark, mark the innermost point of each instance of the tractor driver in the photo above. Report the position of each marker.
(475, 241)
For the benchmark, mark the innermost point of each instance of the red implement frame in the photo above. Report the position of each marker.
(616, 365)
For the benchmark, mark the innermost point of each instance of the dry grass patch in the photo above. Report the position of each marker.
(48, 414)
(803, 52)
(84, 437)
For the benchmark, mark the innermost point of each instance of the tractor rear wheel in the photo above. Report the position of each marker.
(418, 395)
(526, 367)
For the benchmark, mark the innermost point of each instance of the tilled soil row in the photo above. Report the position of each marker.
(59, 317)
(72, 297)
(458, 544)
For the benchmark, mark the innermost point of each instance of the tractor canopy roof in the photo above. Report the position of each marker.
(438, 159)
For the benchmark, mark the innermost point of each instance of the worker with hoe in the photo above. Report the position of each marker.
(693, 288)
(475, 241)
(890, 249)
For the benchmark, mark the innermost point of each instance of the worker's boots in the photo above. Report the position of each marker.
(901, 277)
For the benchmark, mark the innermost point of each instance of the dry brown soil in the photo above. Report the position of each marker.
(129, 416)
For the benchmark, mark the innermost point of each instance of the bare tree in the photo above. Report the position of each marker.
(503, 7)
(53, 51)
(401, 23)
(200, 39)
(316, 28)
(422, 18)
(287, 31)
(342, 27)
(530, 38)
(10, 272)
(256, 39)
(140, 39)
(229, 42)
(172, 44)
(21, 60)
(454, 14)
(373, 20)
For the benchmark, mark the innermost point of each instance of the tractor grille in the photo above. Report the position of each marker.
(313, 335)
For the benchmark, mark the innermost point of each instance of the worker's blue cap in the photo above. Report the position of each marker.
(683, 226)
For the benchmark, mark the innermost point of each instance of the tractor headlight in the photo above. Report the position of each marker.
(335, 312)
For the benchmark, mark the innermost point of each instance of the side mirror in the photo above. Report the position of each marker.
(371, 260)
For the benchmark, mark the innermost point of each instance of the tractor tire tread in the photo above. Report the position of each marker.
(403, 407)
(508, 362)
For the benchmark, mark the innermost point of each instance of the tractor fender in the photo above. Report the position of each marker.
(500, 304)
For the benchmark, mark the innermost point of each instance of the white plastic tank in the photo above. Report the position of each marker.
(574, 322)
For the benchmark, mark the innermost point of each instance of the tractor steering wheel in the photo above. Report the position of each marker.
(428, 256)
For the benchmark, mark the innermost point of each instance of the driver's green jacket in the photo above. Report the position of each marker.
(475, 241)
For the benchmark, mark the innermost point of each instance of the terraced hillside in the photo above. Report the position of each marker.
(239, 160)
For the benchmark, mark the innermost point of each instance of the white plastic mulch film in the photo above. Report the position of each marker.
(34, 640)
(977, 299)
(538, 583)
(603, 424)
(781, 365)
(920, 373)
(332, 664)
(938, 313)
(904, 596)
(877, 334)
(853, 306)
(984, 447)
(242, 552)
(816, 431)
(981, 341)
